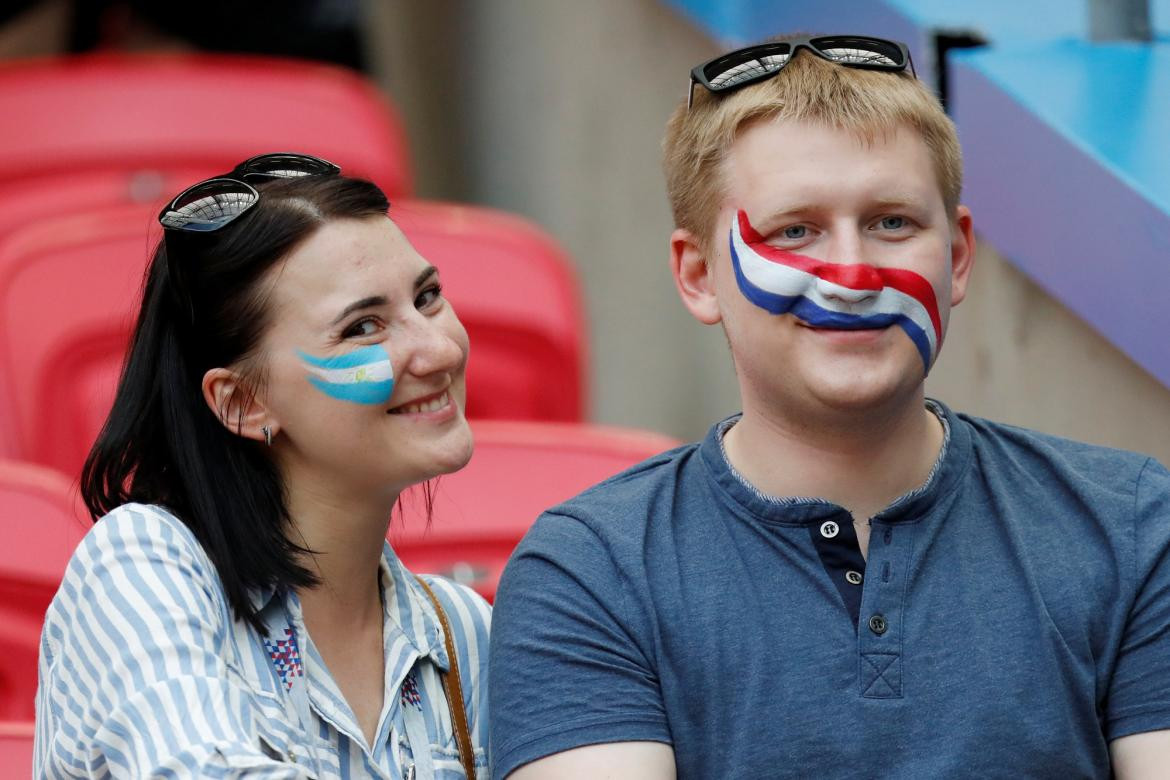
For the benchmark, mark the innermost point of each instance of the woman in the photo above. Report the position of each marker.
(293, 370)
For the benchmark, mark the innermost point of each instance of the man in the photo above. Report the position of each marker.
(847, 580)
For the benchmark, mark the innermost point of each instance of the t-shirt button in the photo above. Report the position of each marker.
(829, 529)
(853, 577)
(878, 625)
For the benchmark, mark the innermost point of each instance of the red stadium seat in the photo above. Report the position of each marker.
(69, 288)
(517, 293)
(42, 523)
(68, 291)
(23, 201)
(518, 470)
(16, 748)
(72, 116)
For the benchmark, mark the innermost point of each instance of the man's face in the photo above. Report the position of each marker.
(866, 226)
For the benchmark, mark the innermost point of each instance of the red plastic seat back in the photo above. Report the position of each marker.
(69, 115)
(16, 748)
(69, 290)
(516, 292)
(41, 522)
(519, 469)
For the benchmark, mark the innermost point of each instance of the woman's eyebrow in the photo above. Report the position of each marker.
(426, 274)
(364, 303)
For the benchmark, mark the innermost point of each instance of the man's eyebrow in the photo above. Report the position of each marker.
(364, 303)
(898, 202)
(426, 274)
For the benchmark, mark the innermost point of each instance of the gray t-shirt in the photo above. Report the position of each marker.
(1012, 618)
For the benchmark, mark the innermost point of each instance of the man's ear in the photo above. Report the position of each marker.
(235, 405)
(694, 276)
(962, 253)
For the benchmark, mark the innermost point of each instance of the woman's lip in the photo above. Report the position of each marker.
(412, 408)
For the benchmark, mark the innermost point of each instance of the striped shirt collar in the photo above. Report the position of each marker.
(406, 609)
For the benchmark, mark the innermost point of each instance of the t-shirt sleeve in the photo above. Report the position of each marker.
(1139, 691)
(569, 659)
(133, 680)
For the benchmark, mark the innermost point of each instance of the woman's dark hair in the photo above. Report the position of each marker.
(161, 443)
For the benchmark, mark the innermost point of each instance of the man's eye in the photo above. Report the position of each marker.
(795, 232)
(893, 223)
(366, 327)
(428, 296)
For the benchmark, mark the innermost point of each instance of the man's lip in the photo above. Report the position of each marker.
(840, 330)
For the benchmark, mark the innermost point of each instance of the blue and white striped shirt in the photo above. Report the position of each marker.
(144, 671)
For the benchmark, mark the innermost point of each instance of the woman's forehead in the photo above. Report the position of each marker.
(345, 259)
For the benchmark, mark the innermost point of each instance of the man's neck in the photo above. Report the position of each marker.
(862, 462)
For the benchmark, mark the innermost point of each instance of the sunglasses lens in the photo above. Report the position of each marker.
(864, 52)
(209, 206)
(285, 166)
(746, 65)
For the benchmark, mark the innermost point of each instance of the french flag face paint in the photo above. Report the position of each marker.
(364, 376)
(835, 295)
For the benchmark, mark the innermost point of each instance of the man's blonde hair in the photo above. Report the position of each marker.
(868, 103)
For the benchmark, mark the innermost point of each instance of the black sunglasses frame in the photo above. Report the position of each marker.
(702, 74)
(262, 167)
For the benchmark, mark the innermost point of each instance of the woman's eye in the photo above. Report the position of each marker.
(893, 223)
(795, 232)
(428, 296)
(366, 327)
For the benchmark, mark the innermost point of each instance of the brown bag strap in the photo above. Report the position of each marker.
(453, 689)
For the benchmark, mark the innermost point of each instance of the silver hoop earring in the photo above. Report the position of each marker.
(267, 434)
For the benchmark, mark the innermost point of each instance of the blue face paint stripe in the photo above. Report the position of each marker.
(807, 311)
(360, 393)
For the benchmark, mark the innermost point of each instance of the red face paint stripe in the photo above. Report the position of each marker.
(855, 276)
(918, 288)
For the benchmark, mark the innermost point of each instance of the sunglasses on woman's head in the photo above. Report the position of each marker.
(739, 68)
(215, 203)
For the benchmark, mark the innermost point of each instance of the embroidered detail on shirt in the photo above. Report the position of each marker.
(286, 658)
(881, 675)
(410, 694)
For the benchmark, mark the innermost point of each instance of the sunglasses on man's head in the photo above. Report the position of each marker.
(739, 68)
(214, 203)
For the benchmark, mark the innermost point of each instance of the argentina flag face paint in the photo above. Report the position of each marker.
(835, 295)
(364, 376)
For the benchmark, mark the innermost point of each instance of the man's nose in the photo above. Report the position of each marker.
(850, 277)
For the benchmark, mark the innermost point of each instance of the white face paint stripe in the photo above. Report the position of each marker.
(370, 372)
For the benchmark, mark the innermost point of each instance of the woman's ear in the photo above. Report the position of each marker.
(694, 276)
(235, 405)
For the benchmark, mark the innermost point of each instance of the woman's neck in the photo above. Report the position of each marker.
(345, 538)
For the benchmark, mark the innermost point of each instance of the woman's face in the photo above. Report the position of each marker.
(365, 362)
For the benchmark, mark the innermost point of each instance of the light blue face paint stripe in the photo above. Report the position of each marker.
(807, 311)
(358, 393)
(375, 353)
(369, 392)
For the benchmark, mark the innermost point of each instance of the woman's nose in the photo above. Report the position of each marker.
(436, 346)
